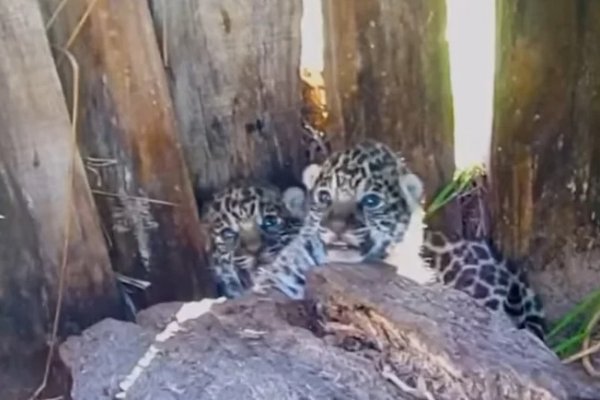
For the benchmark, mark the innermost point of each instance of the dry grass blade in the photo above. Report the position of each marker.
(80, 24)
(55, 14)
(587, 361)
(68, 215)
(165, 32)
(146, 199)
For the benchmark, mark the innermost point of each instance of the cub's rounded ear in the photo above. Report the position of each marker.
(310, 175)
(294, 199)
(413, 189)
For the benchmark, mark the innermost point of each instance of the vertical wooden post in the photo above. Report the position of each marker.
(234, 72)
(42, 181)
(131, 148)
(387, 77)
(546, 151)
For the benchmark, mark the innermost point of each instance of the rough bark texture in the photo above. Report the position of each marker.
(387, 77)
(36, 154)
(546, 148)
(234, 73)
(345, 341)
(35, 157)
(128, 123)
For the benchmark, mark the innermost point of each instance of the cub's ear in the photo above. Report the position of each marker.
(412, 186)
(294, 199)
(310, 175)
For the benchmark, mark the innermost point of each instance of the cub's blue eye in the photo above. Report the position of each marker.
(228, 233)
(323, 197)
(371, 201)
(270, 221)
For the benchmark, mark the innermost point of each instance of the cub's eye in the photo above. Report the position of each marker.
(324, 197)
(228, 233)
(270, 221)
(371, 200)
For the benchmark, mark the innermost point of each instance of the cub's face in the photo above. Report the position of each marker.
(250, 224)
(362, 200)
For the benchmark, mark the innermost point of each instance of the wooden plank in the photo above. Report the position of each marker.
(546, 175)
(234, 77)
(36, 155)
(132, 150)
(387, 78)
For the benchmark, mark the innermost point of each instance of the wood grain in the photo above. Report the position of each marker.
(234, 74)
(36, 153)
(387, 78)
(545, 168)
(143, 190)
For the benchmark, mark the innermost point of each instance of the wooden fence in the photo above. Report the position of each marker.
(180, 96)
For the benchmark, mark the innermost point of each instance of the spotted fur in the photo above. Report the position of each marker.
(475, 267)
(364, 206)
(249, 224)
(360, 206)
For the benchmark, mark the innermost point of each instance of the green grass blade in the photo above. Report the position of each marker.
(593, 299)
(567, 347)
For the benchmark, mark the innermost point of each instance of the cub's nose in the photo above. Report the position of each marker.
(341, 217)
(337, 226)
(253, 246)
(250, 239)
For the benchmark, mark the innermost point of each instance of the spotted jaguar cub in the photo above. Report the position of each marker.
(364, 205)
(249, 224)
(360, 207)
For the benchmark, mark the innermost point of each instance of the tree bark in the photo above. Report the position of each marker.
(141, 183)
(42, 180)
(387, 78)
(546, 148)
(234, 73)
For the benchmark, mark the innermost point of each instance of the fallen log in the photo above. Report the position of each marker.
(345, 341)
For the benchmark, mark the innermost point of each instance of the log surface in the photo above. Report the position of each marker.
(357, 344)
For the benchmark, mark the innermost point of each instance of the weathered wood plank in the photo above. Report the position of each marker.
(36, 154)
(387, 78)
(143, 190)
(545, 169)
(234, 77)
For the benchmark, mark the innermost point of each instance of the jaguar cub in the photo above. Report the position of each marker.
(360, 206)
(249, 223)
(364, 206)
